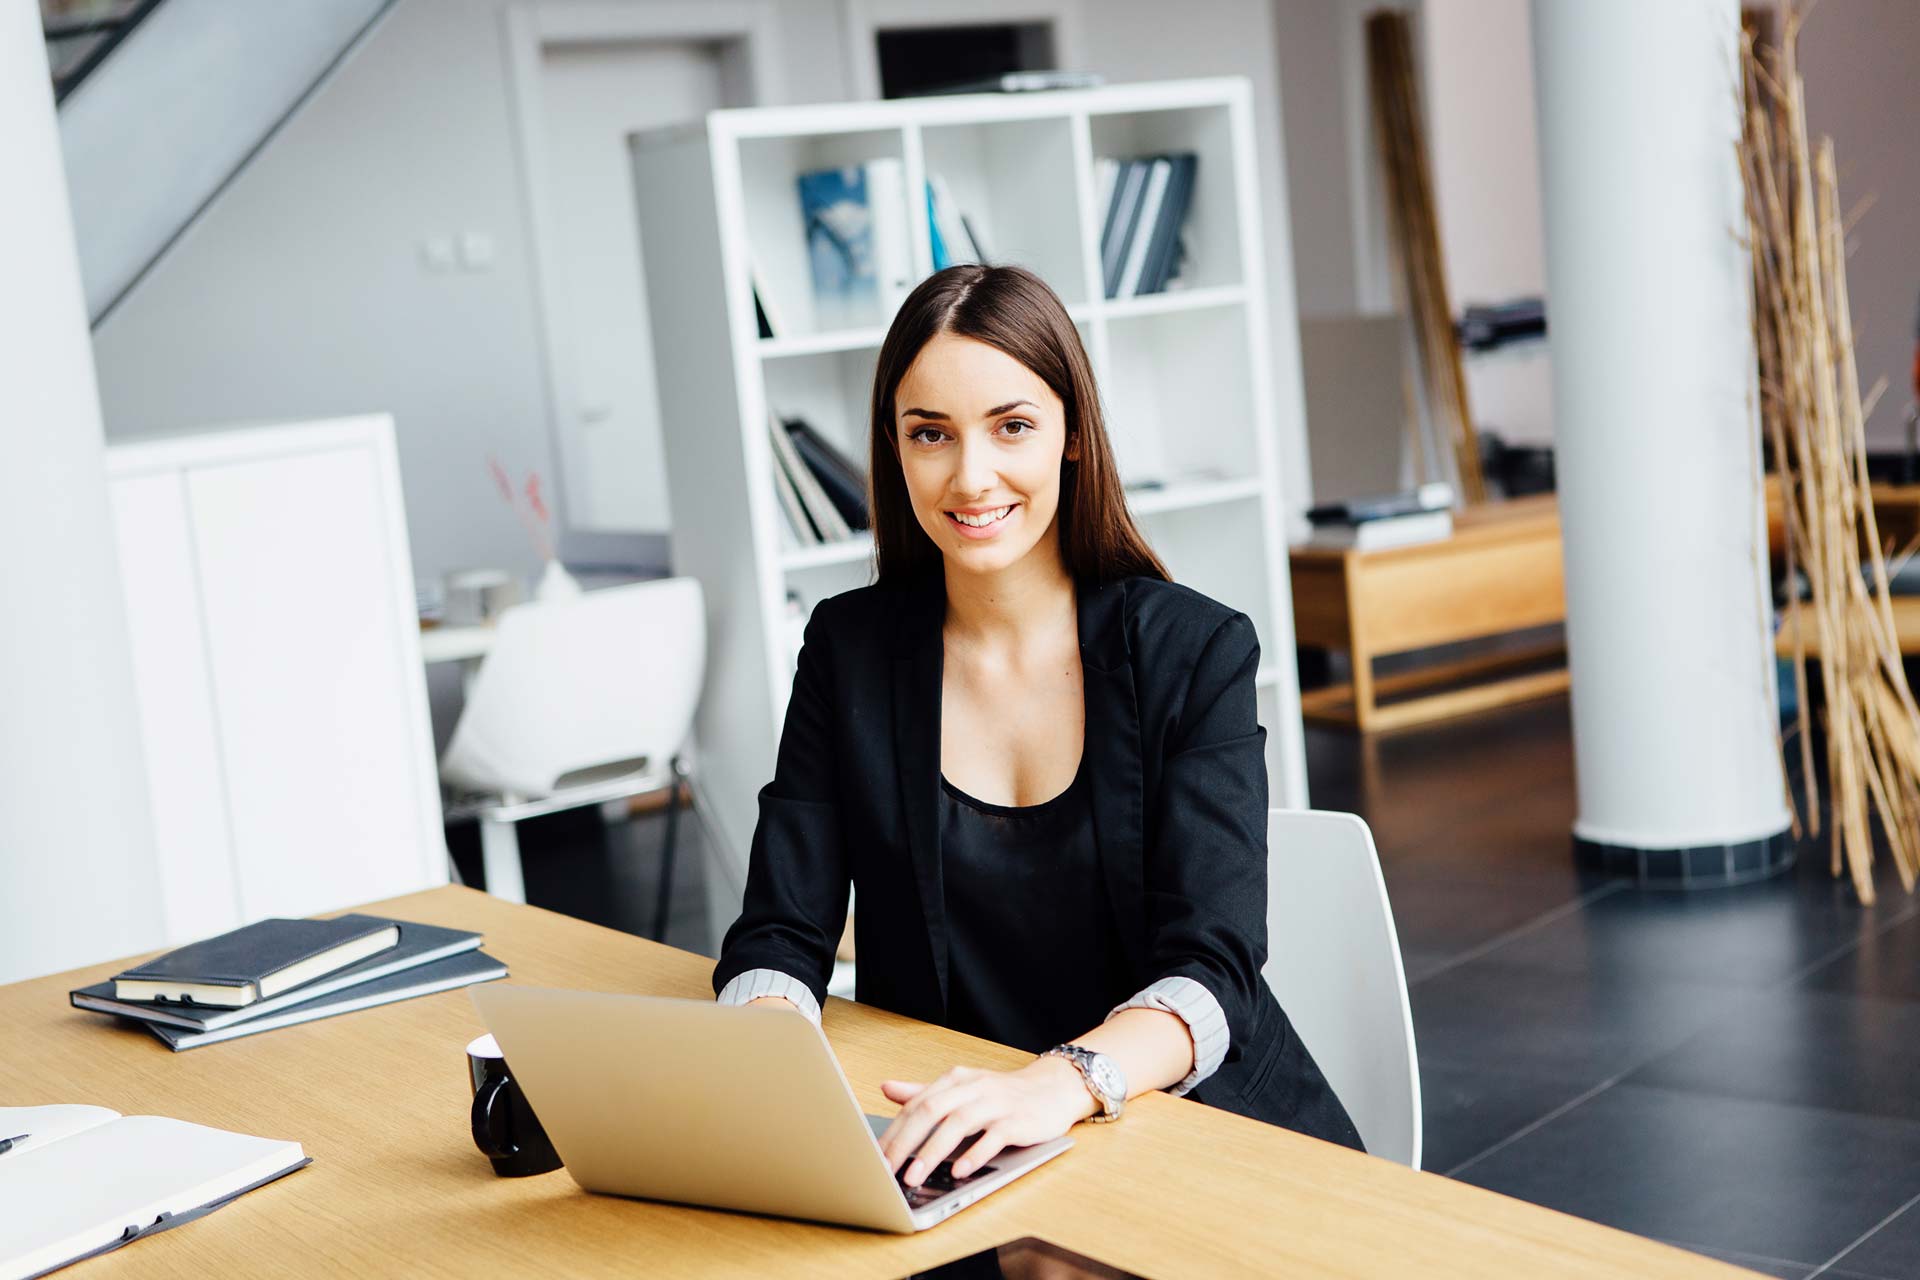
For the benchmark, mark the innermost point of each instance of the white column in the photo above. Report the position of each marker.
(77, 876)
(1673, 688)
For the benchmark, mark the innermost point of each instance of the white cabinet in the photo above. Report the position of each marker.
(276, 653)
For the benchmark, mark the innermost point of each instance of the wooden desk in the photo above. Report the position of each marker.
(380, 1099)
(1896, 515)
(1499, 572)
(1906, 626)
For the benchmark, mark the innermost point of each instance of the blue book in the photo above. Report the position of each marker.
(839, 226)
(941, 259)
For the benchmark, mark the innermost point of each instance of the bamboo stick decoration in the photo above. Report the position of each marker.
(1814, 416)
(1400, 134)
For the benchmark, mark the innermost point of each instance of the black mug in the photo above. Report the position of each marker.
(504, 1126)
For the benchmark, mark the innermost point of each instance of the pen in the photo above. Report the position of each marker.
(6, 1144)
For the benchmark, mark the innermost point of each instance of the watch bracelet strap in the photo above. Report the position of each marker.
(1073, 1054)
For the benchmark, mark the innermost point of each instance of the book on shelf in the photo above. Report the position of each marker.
(1142, 231)
(1169, 233)
(85, 1180)
(1144, 227)
(858, 241)
(797, 531)
(418, 944)
(953, 236)
(825, 518)
(1106, 173)
(844, 483)
(460, 970)
(254, 962)
(1113, 237)
(766, 317)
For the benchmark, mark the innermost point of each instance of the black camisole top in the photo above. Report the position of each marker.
(1032, 958)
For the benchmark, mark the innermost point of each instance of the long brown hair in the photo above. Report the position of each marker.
(1012, 309)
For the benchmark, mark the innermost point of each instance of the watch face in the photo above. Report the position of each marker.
(1107, 1078)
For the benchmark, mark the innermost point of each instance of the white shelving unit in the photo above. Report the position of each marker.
(1185, 376)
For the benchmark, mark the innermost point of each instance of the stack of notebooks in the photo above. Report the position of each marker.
(1144, 202)
(1405, 519)
(822, 491)
(277, 973)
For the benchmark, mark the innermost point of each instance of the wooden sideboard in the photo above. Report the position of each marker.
(1499, 573)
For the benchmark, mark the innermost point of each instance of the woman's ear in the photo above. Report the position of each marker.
(1073, 447)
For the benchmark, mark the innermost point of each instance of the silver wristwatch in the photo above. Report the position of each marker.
(1105, 1081)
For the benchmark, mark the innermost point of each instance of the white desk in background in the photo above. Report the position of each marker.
(466, 643)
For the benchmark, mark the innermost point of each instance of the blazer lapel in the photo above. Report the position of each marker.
(919, 660)
(1113, 757)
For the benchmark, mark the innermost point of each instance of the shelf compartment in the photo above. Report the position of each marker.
(1214, 548)
(1015, 182)
(1179, 392)
(828, 343)
(846, 551)
(770, 168)
(1212, 231)
(1173, 300)
(1184, 495)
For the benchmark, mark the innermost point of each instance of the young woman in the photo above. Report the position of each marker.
(1035, 757)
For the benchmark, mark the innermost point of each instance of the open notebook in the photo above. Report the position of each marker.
(88, 1180)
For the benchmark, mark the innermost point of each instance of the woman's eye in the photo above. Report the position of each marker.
(918, 433)
(1029, 427)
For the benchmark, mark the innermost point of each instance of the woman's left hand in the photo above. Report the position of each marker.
(1041, 1100)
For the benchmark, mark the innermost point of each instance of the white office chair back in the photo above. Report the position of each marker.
(594, 682)
(1334, 963)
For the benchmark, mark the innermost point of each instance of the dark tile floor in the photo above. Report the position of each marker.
(1722, 1070)
(1725, 1070)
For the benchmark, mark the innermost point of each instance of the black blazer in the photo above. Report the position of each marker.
(1179, 790)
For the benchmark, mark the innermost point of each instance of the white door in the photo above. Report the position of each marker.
(592, 96)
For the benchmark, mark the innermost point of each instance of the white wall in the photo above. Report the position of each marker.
(1477, 58)
(302, 291)
(1312, 44)
(1858, 57)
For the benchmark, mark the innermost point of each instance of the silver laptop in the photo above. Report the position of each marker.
(718, 1105)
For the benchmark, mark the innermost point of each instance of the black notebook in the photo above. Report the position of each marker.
(442, 975)
(260, 960)
(419, 944)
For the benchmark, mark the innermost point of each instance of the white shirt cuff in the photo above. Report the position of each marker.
(755, 983)
(1206, 1022)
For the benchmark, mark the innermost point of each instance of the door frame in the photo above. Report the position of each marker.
(747, 34)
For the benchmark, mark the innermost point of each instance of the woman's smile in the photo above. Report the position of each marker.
(980, 522)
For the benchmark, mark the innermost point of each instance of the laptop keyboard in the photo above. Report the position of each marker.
(938, 1183)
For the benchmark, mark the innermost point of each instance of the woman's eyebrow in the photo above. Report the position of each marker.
(991, 413)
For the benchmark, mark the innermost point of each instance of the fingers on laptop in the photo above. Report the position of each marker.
(940, 1116)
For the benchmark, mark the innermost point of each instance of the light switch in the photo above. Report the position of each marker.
(476, 250)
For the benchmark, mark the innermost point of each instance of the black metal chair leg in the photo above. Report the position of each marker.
(665, 890)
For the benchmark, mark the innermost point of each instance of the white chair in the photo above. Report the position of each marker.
(1334, 962)
(580, 701)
